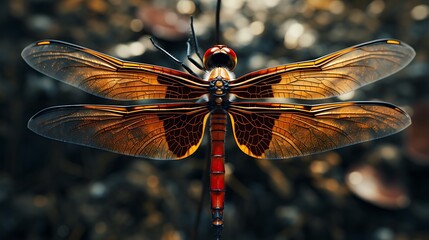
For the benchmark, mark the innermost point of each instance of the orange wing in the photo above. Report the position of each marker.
(278, 131)
(165, 131)
(108, 77)
(328, 76)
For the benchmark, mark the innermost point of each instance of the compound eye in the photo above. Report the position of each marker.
(220, 56)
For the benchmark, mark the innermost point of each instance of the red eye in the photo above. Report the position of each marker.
(220, 56)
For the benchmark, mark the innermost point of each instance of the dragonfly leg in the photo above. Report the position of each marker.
(193, 42)
(189, 55)
(173, 58)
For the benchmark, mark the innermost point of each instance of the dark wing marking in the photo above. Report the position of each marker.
(278, 131)
(166, 131)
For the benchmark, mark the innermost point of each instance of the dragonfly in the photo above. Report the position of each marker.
(265, 124)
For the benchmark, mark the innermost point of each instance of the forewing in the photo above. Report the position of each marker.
(109, 77)
(328, 76)
(168, 131)
(278, 131)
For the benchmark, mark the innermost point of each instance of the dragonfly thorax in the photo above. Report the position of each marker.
(219, 87)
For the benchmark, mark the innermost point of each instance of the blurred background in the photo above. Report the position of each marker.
(54, 190)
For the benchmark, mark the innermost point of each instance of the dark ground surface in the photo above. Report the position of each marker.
(55, 190)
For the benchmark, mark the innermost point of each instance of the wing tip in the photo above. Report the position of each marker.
(410, 50)
(34, 121)
(403, 116)
(41, 43)
(26, 51)
(392, 41)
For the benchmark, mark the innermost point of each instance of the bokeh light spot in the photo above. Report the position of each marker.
(257, 27)
(420, 12)
(136, 25)
(185, 7)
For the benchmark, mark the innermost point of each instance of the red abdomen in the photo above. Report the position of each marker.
(217, 169)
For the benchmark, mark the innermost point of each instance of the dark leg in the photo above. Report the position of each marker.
(194, 40)
(173, 58)
(189, 54)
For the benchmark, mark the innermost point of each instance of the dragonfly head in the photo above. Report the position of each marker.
(220, 56)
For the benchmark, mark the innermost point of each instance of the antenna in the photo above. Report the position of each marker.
(217, 33)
